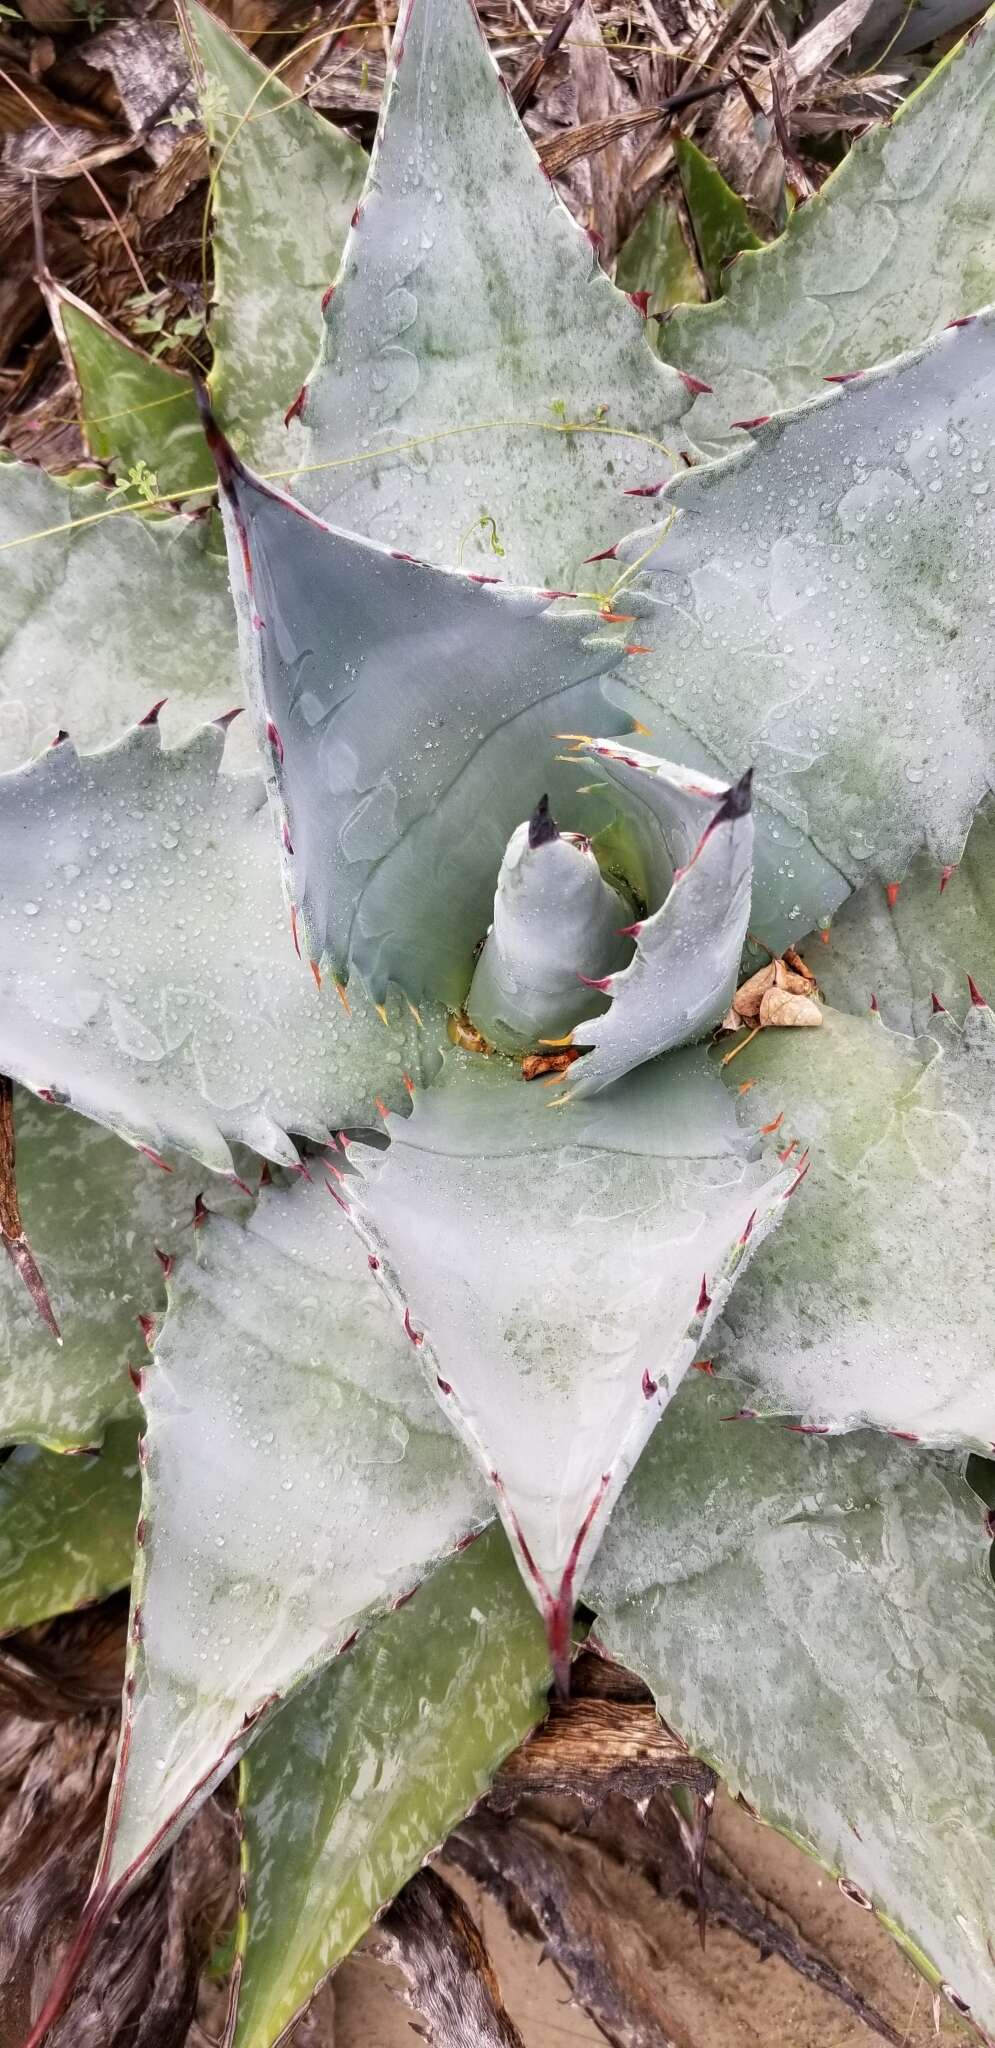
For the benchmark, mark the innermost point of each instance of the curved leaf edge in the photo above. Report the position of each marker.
(680, 492)
(906, 1942)
(865, 145)
(103, 1898)
(243, 1925)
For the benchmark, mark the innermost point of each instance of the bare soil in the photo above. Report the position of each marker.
(724, 1996)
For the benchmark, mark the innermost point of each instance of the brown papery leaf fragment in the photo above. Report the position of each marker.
(746, 1001)
(782, 1007)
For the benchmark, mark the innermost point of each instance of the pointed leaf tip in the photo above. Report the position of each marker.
(542, 827)
(223, 455)
(737, 802)
(979, 1001)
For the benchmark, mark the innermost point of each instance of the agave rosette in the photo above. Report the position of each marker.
(536, 824)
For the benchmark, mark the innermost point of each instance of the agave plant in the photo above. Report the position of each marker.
(534, 814)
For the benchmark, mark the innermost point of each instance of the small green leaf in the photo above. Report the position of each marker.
(284, 184)
(147, 965)
(431, 419)
(719, 217)
(816, 1619)
(882, 1305)
(133, 410)
(656, 259)
(67, 1527)
(560, 1265)
(900, 239)
(365, 1772)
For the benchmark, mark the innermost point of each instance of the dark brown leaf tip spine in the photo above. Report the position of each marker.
(543, 828)
(737, 802)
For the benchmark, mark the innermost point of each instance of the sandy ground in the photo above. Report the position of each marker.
(726, 1997)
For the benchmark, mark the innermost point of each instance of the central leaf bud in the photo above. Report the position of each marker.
(556, 928)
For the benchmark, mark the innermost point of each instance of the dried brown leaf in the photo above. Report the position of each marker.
(434, 1940)
(789, 1012)
(746, 1001)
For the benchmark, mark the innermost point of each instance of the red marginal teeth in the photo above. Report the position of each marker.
(704, 1298)
(147, 1153)
(649, 1386)
(945, 874)
(979, 1001)
(891, 891)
